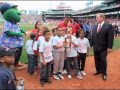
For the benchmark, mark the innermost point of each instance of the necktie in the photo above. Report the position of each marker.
(99, 28)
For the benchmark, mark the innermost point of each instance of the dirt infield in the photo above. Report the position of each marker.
(88, 82)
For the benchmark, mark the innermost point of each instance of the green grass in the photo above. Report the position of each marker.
(24, 55)
(116, 44)
(24, 59)
(27, 26)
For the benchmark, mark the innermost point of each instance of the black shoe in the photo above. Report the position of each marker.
(104, 77)
(97, 73)
(42, 84)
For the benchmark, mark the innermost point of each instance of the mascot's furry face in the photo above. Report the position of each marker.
(10, 13)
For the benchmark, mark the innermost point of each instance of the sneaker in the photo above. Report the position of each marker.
(79, 77)
(83, 73)
(69, 77)
(56, 77)
(61, 76)
(80, 74)
(64, 72)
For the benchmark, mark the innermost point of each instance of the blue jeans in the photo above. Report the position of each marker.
(31, 63)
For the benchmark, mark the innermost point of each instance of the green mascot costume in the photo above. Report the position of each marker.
(12, 35)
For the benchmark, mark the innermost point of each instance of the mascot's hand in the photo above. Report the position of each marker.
(23, 31)
(21, 34)
(12, 34)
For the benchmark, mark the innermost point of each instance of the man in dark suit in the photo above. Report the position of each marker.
(102, 41)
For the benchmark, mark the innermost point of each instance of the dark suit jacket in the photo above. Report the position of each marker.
(104, 39)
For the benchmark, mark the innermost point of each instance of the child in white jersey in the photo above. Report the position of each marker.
(58, 45)
(71, 54)
(83, 50)
(45, 50)
(30, 54)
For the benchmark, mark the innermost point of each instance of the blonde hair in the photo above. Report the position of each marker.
(102, 15)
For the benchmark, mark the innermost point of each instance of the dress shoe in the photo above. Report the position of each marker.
(104, 77)
(42, 84)
(97, 73)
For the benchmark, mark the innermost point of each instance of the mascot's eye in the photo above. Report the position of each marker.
(15, 8)
(19, 13)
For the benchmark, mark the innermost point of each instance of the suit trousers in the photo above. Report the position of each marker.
(101, 61)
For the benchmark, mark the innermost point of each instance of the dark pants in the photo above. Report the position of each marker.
(17, 54)
(81, 61)
(32, 59)
(65, 65)
(116, 33)
(36, 61)
(75, 65)
(52, 67)
(100, 61)
(45, 72)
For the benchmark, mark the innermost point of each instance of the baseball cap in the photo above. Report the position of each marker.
(4, 7)
(7, 51)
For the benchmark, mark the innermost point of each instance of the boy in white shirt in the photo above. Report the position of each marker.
(58, 46)
(83, 50)
(71, 54)
(37, 42)
(30, 54)
(45, 50)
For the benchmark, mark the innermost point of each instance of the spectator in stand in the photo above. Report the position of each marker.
(116, 30)
(77, 27)
(84, 26)
(64, 23)
(37, 30)
(80, 23)
(70, 25)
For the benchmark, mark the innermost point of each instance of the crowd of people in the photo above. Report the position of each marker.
(66, 48)
(87, 24)
(116, 26)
